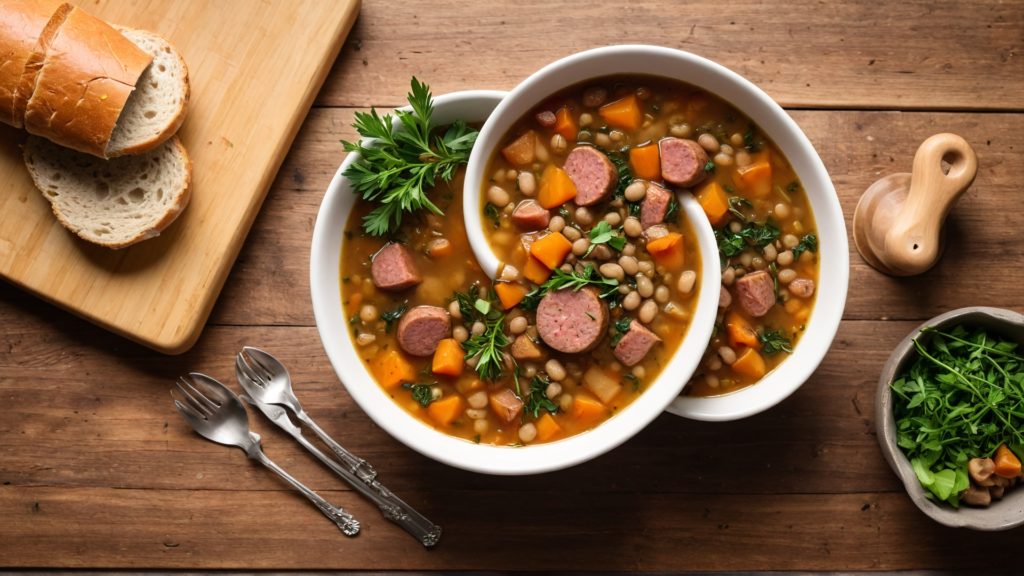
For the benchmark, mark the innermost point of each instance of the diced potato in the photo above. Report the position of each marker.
(604, 384)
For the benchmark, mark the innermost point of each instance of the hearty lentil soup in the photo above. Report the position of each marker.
(583, 191)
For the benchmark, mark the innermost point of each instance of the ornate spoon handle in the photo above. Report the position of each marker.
(357, 465)
(345, 521)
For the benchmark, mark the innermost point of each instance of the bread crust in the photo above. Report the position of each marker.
(179, 116)
(22, 22)
(175, 208)
(88, 73)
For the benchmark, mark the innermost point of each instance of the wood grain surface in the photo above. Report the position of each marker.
(98, 471)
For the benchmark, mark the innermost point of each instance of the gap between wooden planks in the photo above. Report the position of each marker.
(917, 54)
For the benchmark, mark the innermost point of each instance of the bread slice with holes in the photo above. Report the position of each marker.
(117, 202)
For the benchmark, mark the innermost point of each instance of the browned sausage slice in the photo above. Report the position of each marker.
(592, 173)
(506, 405)
(635, 344)
(421, 329)
(756, 292)
(682, 162)
(572, 322)
(393, 268)
(594, 96)
(802, 287)
(655, 206)
(531, 215)
(546, 118)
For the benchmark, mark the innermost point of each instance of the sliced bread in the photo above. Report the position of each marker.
(21, 24)
(156, 109)
(113, 203)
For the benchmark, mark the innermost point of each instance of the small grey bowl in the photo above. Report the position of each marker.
(1002, 514)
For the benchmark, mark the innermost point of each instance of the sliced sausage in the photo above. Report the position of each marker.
(655, 206)
(421, 329)
(593, 174)
(393, 268)
(531, 215)
(506, 405)
(572, 322)
(594, 96)
(546, 118)
(524, 348)
(682, 162)
(724, 298)
(635, 344)
(802, 287)
(756, 292)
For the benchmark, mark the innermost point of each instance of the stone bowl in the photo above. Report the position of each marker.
(1002, 514)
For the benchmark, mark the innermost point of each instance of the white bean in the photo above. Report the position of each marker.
(723, 160)
(556, 224)
(580, 246)
(365, 339)
(480, 426)
(496, 195)
(708, 142)
(661, 294)
(476, 413)
(728, 276)
(686, 281)
(555, 370)
(639, 371)
(631, 301)
(782, 210)
(790, 241)
(648, 311)
(528, 432)
(613, 219)
(644, 286)
(571, 234)
(711, 380)
(743, 159)
(477, 399)
(558, 144)
(611, 271)
(479, 328)
(553, 390)
(636, 191)
(633, 227)
(728, 355)
(785, 258)
(629, 265)
(714, 363)
(460, 334)
(518, 325)
(454, 310)
(584, 216)
(368, 313)
(770, 253)
(786, 276)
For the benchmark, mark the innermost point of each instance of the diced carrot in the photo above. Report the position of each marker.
(551, 249)
(587, 411)
(750, 363)
(467, 385)
(547, 428)
(556, 188)
(740, 332)
(797, 309)
(605, 385)
(715, 202)
(510, 293)
(392, 369)
(668, 250)
(646, 162)
(535, 271)
(446, 410)
(1007, 463)
(565, 124)
(355, 301)
(448, 358)
(439, 248)
(755, 178)
(522, 150)
(624, 113)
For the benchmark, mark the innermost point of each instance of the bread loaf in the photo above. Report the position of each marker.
(113, 203)
(88, 72)
(21, 23)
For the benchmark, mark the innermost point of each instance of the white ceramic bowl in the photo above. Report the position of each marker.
(773, 120)
(332, 325)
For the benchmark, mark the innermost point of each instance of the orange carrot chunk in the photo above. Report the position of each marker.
(646, 162)
(392, 369)
(449, 358)
(535, 271)
(446, 410)
(522, 150)
(715, 202)
(551, 249)
(740, 332)
(565, 125)
(756, 179)
(1007, 463)
(556, 188)
(624, 113)
(668, 250)
(586, 410)
(510, 293)
(547, 428)
(750, 364)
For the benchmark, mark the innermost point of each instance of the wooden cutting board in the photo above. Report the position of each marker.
(255, 67)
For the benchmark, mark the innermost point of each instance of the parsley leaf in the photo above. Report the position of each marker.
(793, 186)
(709, 167)
(538, 398)
(491, 211)
(488, 345)
(775, 342)
(398, 167)
(421, 393)
(807, 243)
(635, 379)
(735, 203)
(761, 235)
(621, 327)
(577, 280)
(672, 215)
(603, 233)
(748, 138)
(391, 315)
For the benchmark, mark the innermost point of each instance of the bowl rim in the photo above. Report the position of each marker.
(834, 273)
(984, 519)
(334, 335)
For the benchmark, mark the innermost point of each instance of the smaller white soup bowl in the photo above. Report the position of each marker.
(325, 285)
(833, 249)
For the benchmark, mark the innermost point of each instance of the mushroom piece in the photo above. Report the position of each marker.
(981, 470)
(998, 480)
(976, 496)
(996, 491)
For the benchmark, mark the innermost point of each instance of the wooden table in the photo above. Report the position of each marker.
(98, 470)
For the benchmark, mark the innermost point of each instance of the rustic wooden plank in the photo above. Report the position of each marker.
(567, 529)
(270, 281)
(903, 55)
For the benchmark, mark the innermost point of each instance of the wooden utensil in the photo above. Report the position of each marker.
(898, 224)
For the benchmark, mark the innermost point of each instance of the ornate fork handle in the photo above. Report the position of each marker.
(345, 521)
(361, 468)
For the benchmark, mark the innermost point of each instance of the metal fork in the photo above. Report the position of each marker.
(269, 387)
(219, 415)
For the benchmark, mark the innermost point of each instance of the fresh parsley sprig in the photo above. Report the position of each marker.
(621, 327)
(575, 280)
(398, 167)
(421, 393)
(808, 243)
(538, 399)
(488, 346)
(775, 342)
(389, 316)
(603, 233)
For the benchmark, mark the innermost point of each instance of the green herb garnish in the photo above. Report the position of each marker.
(421, 393)
(793, 186)
(748, 138)
(603, 233)
(807, 243)
(735, 203)
(391, 315)
(491, 211)
(672, 215)
(538, 398)
(621, 327)
(961, 398)
(398, 167)
(488, 345)
(710, 166)
(761, 235)
(636, 381)
(775, 342)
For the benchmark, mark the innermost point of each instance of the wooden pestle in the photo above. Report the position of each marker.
(898, 224)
